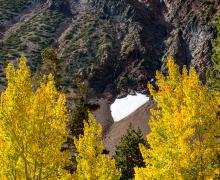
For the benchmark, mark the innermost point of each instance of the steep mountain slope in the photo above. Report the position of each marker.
(31, 33)
(110, 45)
(117, 45)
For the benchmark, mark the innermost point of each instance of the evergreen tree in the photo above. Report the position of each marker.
(52, 65)
(92, 164)
(128, 154)
(213, 73)
(32, 128)
(184, 128)
(79, 113)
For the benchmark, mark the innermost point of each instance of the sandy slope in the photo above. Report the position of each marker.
(139, 118)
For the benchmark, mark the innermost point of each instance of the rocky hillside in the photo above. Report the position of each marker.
(117, 45)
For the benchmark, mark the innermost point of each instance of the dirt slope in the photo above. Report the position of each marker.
(139, 118)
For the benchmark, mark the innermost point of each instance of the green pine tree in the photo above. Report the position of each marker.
(52, 65)
(78, 116)
(213, 73)
(128, 154)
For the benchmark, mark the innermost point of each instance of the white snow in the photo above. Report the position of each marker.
(125, 106)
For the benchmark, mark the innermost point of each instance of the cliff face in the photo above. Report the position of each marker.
(116, 45)
(191, 31)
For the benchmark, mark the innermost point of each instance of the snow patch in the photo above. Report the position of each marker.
(125, 106)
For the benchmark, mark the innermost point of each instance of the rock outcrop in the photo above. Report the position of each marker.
(191, 24)
(62, 5)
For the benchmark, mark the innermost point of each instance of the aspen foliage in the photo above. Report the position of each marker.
(32, 128)
(92, 164)
(184, 128)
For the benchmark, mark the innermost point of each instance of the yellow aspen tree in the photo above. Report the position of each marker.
(184, 128)
(92, 164)
(32, 128)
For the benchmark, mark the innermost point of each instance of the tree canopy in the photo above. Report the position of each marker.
(92, 164)
(184, 128)
(32, 127)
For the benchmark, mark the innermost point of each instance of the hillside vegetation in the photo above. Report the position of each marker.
(10, 9)
(31, 38)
